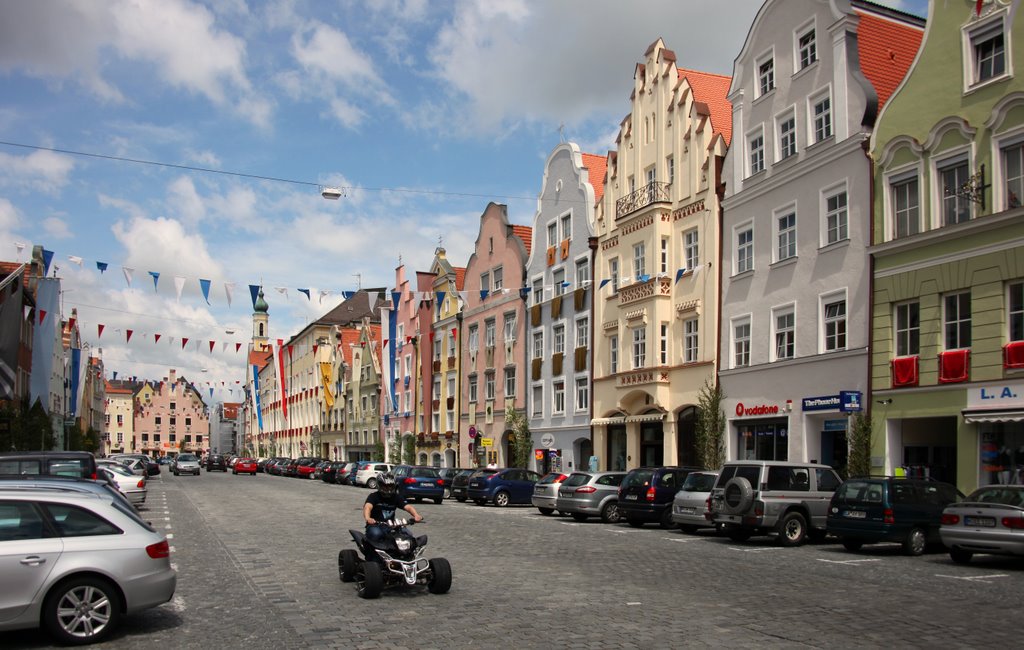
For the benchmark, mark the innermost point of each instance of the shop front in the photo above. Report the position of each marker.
(561, 450)
(761, 431)
(826, 419)
(996, 412)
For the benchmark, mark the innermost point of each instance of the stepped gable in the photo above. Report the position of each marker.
(712, 90)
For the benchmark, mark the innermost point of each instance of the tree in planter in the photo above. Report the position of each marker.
(859, 461)
(710, 426)
(409, 450)
(520, 440)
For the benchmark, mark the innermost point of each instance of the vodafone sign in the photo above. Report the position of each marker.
(760, 409)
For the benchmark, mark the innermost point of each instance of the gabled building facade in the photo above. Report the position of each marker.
(655, 310)
(493, 349)
(805, 94)
(948, 253)
(119, 428)
(558, 274)
(412, 317)
(439, 442)
(170, 417)
(362, 394)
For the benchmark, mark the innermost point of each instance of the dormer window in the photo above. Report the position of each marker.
(766, 76)
(986, 47)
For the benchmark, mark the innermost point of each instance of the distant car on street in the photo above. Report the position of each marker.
(691, 506)
(591, 494)
(216, 462)
(416, 482)
(503, 487)
(244, 466)
(185, 464)
(545, 492)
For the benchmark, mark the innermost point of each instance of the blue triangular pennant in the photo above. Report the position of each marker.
(306, 292)
(47, 258)
(254, 291)
(205, 286)
(102, 266)
(604, 282)
(679, 274)
(484, 293)
(156, 278)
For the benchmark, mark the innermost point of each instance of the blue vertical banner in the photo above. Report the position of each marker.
(256, 396)
(76, 364)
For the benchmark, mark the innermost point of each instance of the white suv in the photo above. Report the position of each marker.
(773, 497)
(367, 476)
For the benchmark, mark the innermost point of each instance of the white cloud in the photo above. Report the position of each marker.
(184, 202)
(163, 244)
(9, 216)
(57, 228)
(44, 171)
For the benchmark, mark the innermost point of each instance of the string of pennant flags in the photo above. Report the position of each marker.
(205, 285)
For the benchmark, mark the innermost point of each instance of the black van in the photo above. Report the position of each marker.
(890, 509)
(646, 494)
(81, 464)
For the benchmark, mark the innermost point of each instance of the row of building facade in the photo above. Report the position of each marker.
(835, 228)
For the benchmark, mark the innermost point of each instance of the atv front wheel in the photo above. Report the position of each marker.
(370, 582)
(441, 576)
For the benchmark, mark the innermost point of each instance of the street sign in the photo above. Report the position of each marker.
(486, 442)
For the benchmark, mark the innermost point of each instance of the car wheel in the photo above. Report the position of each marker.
(460, 499)
(348, 565)
(610, 513)
(916, 542)
(82, 610)
(792, 529)
(440, 576)
(852, 544)
(635, 523)
(666, 519)
(688, 528)
(447, 493)
(372, 484)
(439, 500)
(737, 534)
(501, 499)
(579, 516)
(546, 511)
(371, 582)
(960, 556)
(480, 502)
(175, 473)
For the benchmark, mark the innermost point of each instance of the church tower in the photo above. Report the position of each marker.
(260, 331)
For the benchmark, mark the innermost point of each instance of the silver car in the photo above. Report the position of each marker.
(186, 464)
(545, 492)
(690, 507)
(591, 494)
(131, 485)
(75, 563)
(990, 520)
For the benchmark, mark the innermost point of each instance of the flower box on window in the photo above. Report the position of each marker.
(904, 371)
(954, 366)
(1013, 354)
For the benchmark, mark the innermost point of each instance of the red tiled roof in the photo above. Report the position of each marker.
(526, 234)
(460, 277)
(116, 390)
(596, 166)
(349, 337)
(260, 359)
(6, 268)
(712, 89)
(887, 49)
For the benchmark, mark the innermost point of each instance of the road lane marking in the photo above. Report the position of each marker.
(974, 578)
(170, 535)
(684, 540)
(821, 559)
(753, 550)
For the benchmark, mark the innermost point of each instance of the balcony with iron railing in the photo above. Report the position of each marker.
(653, 192)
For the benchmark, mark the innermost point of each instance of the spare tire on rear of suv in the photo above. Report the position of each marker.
(737, 495)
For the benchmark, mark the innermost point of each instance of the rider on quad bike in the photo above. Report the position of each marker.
(382, 505)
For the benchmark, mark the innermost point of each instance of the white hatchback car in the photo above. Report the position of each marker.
(367, 476)
(131, 485)
(76, 563)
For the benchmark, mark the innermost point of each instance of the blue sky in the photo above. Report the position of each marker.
(425, 110)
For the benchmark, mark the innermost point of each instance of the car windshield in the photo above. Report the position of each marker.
(576, 480)
(699, 482)
(186, 457)
(1006, 495)
(424, 472)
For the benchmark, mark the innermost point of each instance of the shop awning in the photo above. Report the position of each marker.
(992, 415)
(606, 421)
(646, 417)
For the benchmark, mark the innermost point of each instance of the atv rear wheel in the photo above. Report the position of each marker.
(348, 564)
(441, 576)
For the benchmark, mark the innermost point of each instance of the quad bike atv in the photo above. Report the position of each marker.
(394, 561)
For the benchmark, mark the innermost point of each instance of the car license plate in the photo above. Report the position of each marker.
(855, 514)
(685, 511)
(981, 522)
(630, 497)
(427, 484)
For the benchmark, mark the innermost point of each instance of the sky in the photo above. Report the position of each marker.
(424, 112)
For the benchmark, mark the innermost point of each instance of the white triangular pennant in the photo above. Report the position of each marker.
(179, 284)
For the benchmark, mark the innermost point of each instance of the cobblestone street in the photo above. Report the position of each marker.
(256, 561)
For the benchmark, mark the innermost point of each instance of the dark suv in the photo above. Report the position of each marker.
(889, 509)
(48, 463)
(646, 494)
(216, 462)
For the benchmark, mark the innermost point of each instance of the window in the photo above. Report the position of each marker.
(835, 325)
(613, 273)
(120, 420)
(787, 136)
(651, 175)
(538, 291)
(538, 345)
(1013, 168)
(489, 385)
(496, 278)
(955, 209)
(566, 222)
(670, 166)
(552, 233)
(836, 224)
(613, 353)
(538, 401)
(582, 272)
(188, 421)
(807, 48)
(510, 382)
(437, 355)
(558, 278)
(745, 249)
(472, 390)
(691, 248)
(489, 328)
(582, 394)
(755, 144)
(474, 342)
(741, 343)
(639, 347)
(905, 207)
(509, 329)
(485, 281)
(663, 344)
(664, 255)
(786, 236)
(451, 343)
(582, 332)
(690, 340)
(766, 76)
(821, 109)
(957, 321)
(785, 334)
(558, 403)
(408, 397)
(558, 334)
(639, 261)
(1015, 311)
(989, 49)
(908, 329)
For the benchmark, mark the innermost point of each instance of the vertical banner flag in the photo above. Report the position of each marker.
(325, 379)
(389, 323)
(256, 396)
(45, 340)
(76, 362)
(279, 368)
(10, 332)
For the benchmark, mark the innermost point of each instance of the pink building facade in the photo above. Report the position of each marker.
(171, 417)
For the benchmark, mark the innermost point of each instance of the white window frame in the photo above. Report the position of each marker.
(789, 331)
(538, 400)
(739, 348)
(947, 322)
(691, 340)
(755, 150)
(1015, 317)
(510, 381)
(538, 344)
(613, 354)
(971, 35)
(538, 290)
(663, 267)
(613, 273)
(558, 338)
(639, 347)
(485, 281)
(663, 344)
(670, 169)
(508, 327)
(904, 332)
(842, 230)
(582, 331)
(582, 269)
(639, 260)
(824, 300)
(552, 233)
(691, 248)
(489, 332)
(760, 88)
(497, 279)
(565, 226)
(489, 385)
(558, 281)
(1000, 174)
(474, 339)
(892, 179)
(558, 397)
(785, 238)
(959, 157)
(798, 59)
(780, 138)
(582, 393)
(736, 256)
(814, 134)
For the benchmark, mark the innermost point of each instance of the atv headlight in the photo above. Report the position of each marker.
(403, 544)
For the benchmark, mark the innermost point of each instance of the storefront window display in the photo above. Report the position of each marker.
(764, 441)
(1002, 453)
